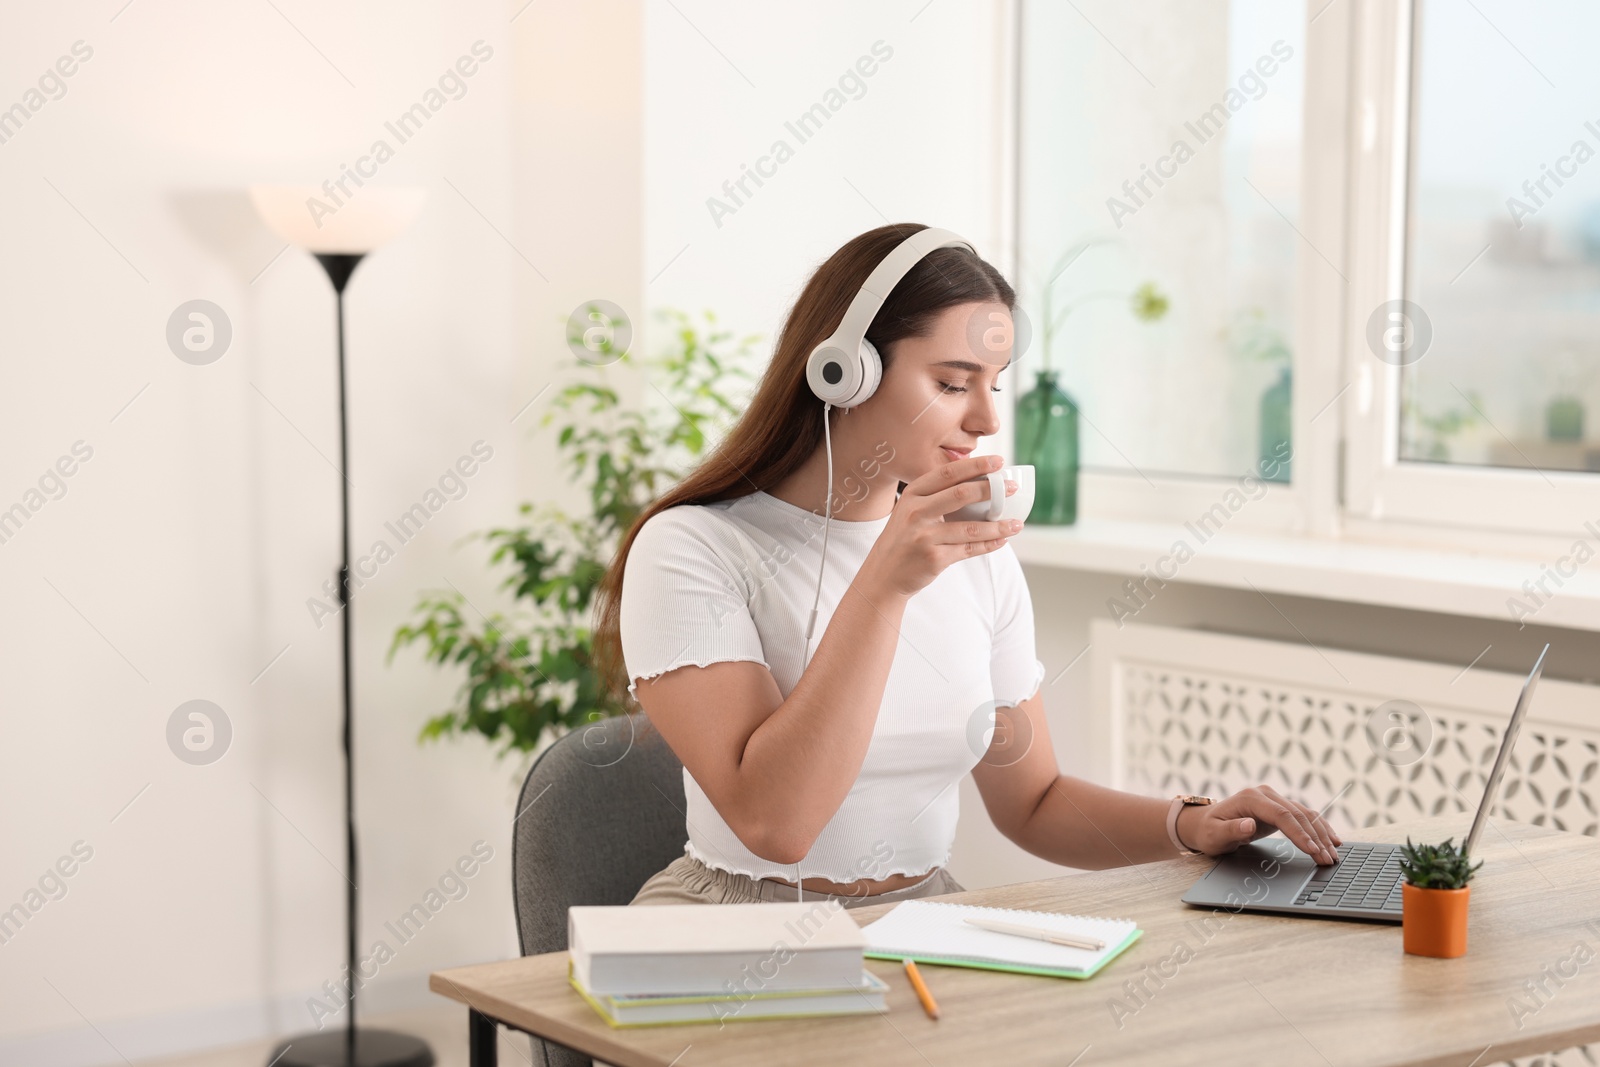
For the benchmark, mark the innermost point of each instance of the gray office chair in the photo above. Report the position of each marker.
(601, 811)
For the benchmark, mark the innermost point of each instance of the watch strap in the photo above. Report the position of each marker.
(1179, 802)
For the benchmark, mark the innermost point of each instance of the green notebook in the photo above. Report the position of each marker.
(933, 931)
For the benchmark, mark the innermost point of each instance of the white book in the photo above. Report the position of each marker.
(714, 948)
(866, 997)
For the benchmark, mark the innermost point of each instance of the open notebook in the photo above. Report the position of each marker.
(931, 931)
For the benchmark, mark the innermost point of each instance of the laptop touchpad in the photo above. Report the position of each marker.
(1270, 871)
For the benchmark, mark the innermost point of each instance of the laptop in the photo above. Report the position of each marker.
(1271, 874)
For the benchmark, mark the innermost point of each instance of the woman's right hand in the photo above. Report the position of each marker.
(917, 544)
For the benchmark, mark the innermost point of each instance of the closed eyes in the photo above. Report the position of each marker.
(951, 387)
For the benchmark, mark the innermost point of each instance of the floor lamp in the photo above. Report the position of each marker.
(339, 236)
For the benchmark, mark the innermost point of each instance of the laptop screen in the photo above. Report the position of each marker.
(1492, 789)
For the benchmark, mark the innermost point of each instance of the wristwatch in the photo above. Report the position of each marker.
(1179, 802)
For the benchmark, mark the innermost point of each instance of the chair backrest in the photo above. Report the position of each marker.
(601, 811)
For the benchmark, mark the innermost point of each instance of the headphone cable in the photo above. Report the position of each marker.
(828, 508)
(827, 436)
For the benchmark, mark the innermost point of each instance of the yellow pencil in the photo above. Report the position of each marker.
(929, 1005)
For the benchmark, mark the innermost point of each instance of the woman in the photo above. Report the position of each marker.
(835, 776)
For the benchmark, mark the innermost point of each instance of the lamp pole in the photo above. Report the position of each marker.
(339, 266)
(375, 1048)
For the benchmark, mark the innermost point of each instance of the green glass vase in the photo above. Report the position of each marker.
(1276, 427)
(1563, 419)
(1047, 440)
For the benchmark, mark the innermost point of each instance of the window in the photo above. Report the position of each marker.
(1504, 256)
(1390, 224)
(1164, 152)
(1474, 297)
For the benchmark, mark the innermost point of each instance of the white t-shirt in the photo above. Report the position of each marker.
(734, 580)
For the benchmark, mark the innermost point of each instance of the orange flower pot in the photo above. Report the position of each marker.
(1434, 921)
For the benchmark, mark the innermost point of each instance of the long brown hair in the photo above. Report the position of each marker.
(780, 430)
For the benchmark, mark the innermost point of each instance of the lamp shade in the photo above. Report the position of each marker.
(322, 219)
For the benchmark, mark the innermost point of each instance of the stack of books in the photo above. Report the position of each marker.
(645, 966)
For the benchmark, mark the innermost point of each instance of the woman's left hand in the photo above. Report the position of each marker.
(1255, 812)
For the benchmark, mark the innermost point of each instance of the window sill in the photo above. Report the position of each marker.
(1452, 581)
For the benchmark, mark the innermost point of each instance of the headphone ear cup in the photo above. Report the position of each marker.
(834, 374)
(871, 371)
(841, 379)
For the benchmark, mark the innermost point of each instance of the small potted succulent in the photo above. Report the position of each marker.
(1434, 898)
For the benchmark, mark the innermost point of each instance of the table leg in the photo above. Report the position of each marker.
(484, 1050)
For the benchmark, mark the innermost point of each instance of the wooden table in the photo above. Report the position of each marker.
(1200, 987)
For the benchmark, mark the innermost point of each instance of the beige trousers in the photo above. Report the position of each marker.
(688, 881)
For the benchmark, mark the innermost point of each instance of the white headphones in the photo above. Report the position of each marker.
(845, 369)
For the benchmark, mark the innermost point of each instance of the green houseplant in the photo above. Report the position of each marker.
(530, 676)
(1047, 417)
(1435, 897)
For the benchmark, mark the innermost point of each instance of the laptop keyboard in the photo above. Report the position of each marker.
(1366, 876)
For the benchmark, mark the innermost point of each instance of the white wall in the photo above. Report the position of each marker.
(178, 564)
(919, 142)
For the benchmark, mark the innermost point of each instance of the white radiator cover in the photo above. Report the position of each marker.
(1193, 711)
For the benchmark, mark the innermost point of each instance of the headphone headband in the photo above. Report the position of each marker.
(885, 276)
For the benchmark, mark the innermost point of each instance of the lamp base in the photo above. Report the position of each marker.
(373, 1048)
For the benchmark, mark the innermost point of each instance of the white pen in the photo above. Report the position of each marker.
(1039, 933)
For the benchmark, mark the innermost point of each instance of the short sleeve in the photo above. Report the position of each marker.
(1014, 667)
(684, 600)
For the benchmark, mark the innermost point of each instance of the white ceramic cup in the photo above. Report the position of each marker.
(999, 506)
